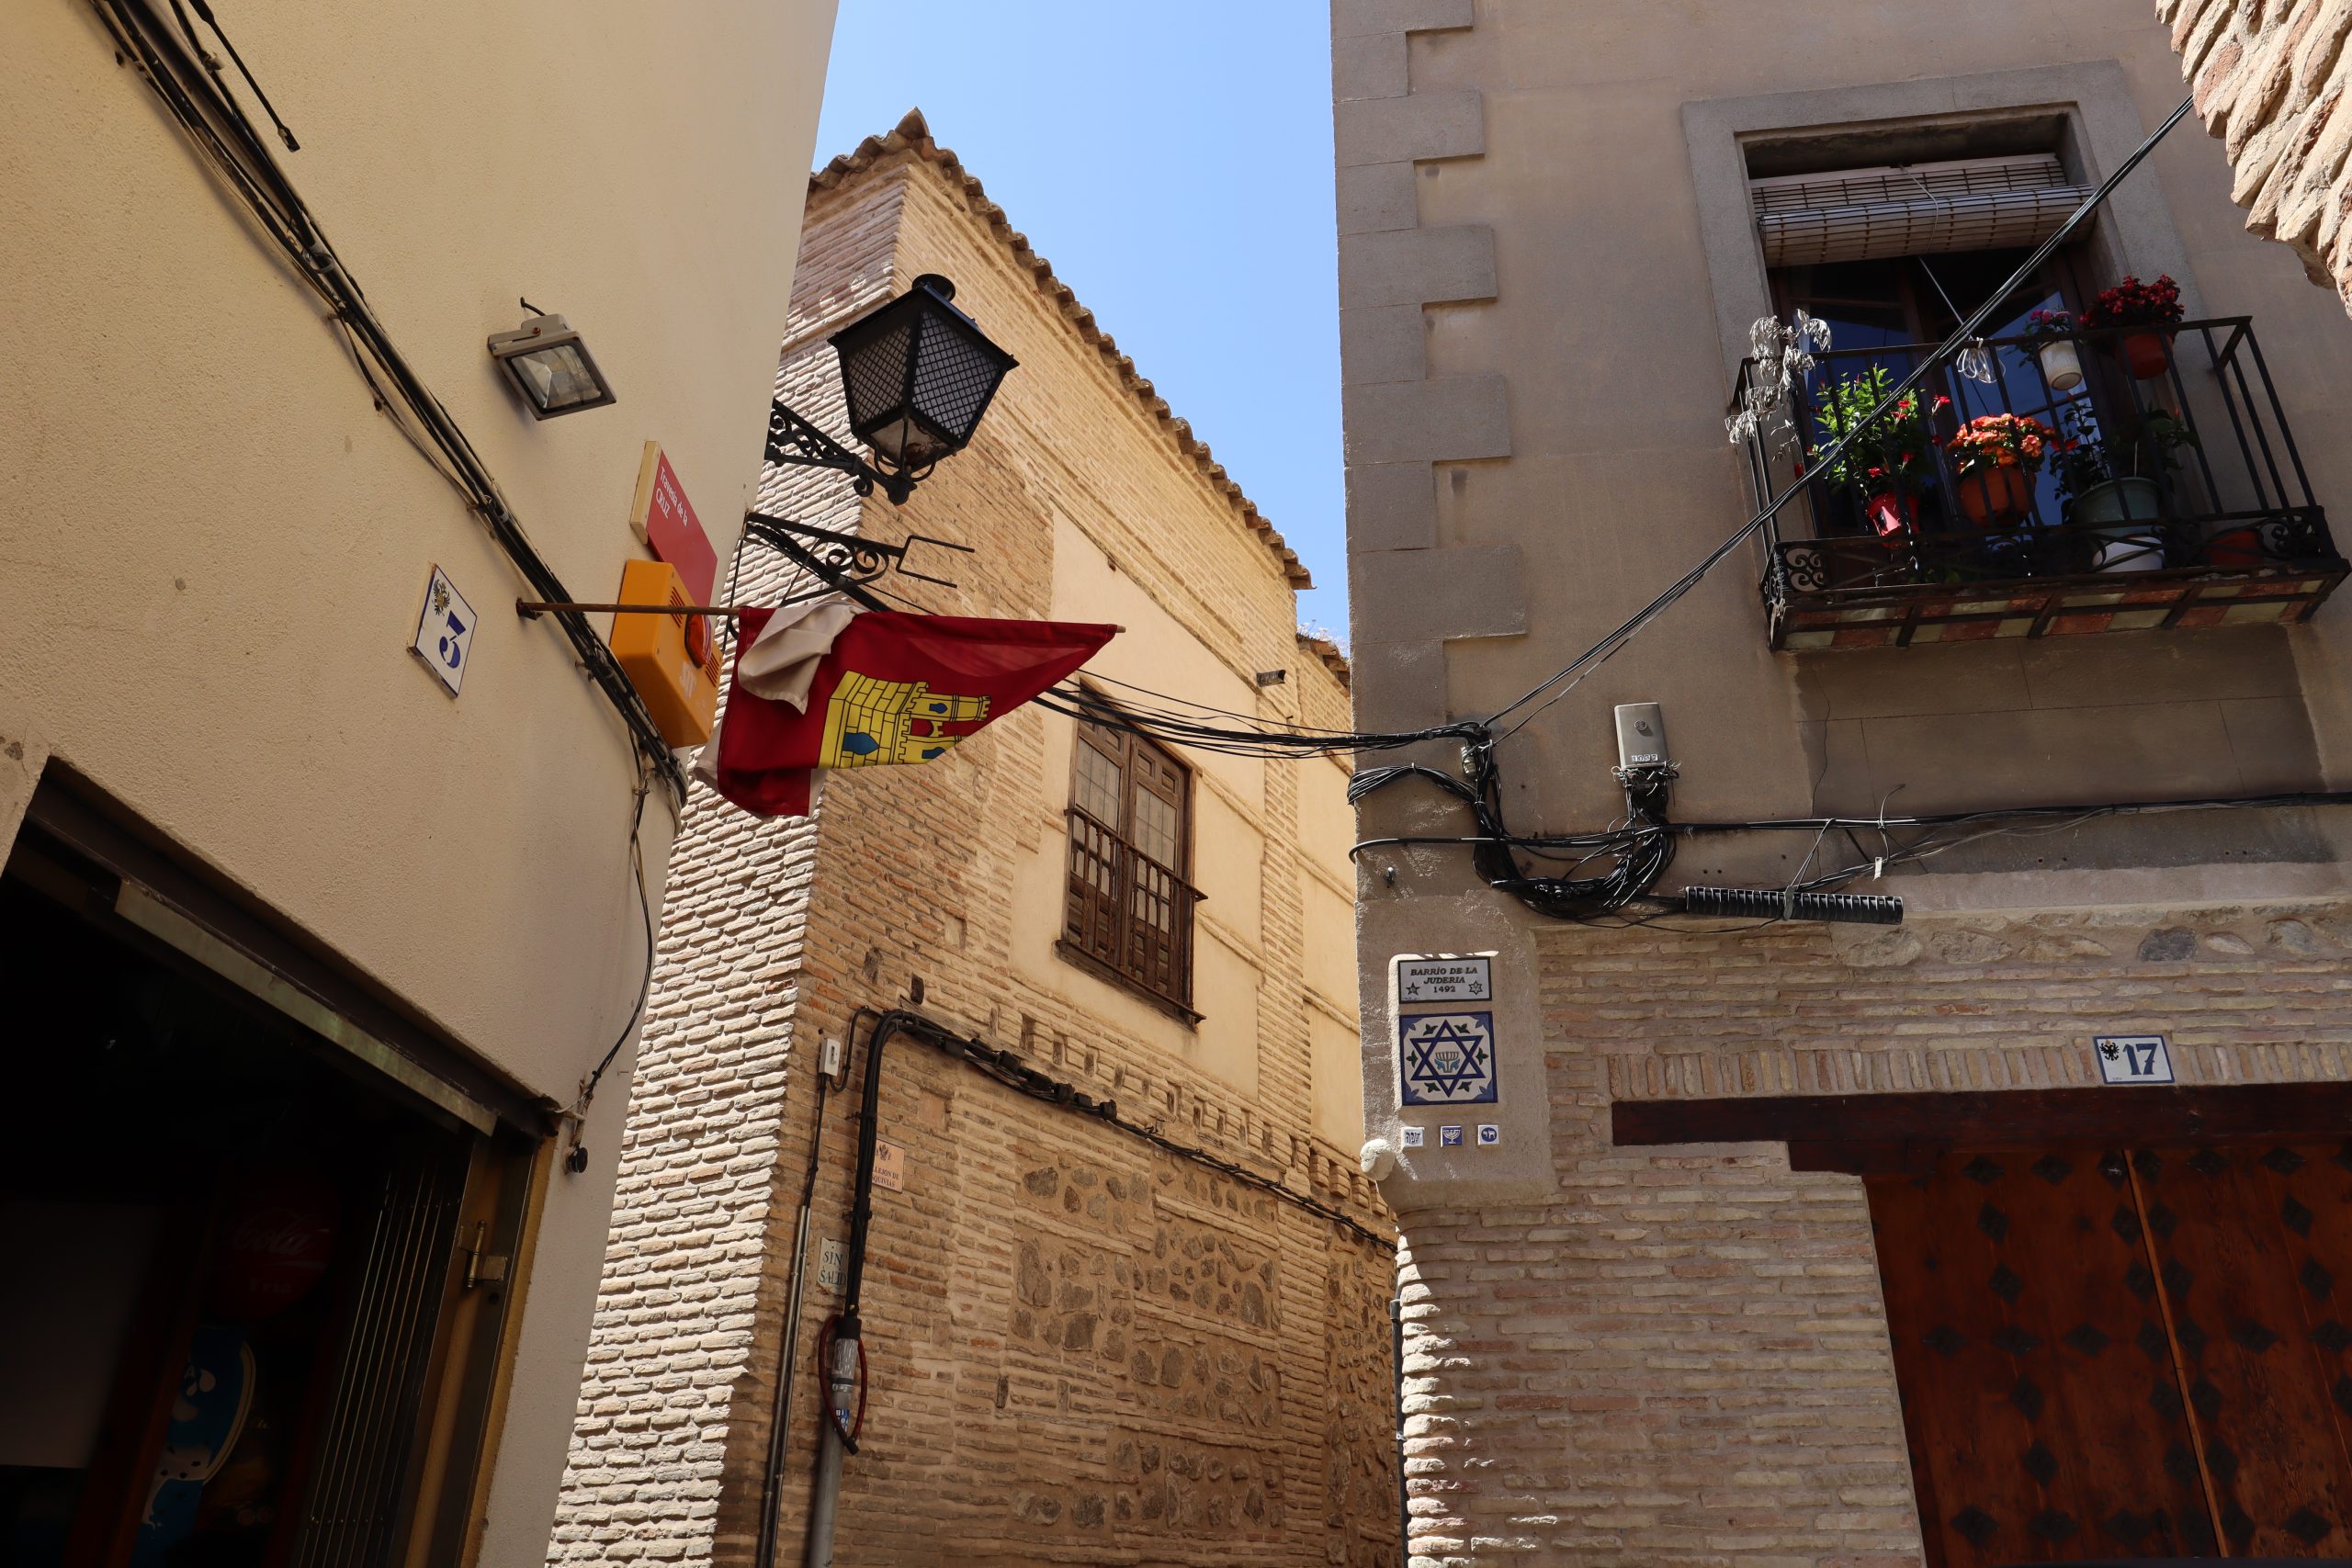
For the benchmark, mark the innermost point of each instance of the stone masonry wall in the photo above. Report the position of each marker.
(2272, 78)
(1682, 1356)
(1081, 1349)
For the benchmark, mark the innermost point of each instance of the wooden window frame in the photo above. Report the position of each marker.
(1104, 932)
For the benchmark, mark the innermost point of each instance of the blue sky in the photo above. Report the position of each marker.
(1174, 164)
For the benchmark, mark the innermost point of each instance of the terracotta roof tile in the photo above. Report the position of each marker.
(1324, 649)
(913, 135)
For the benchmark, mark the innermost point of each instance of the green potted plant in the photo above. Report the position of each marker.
(2153, 309)
(1883, 460)
(1994, 459)
(2051, 333)
(2117, 490)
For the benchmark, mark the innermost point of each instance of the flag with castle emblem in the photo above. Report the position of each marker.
(892, 688)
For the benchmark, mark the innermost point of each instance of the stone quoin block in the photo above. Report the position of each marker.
(1352, 19)
(1417, 125)
(1462, 591)
(1417, 266)
(1375, 196)
(1391, 506)
(1456, 418)
(1384, 344)
(1370, 66)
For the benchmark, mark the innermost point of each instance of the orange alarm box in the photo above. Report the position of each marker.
(673, 660)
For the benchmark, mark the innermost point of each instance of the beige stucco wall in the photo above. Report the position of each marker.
(1547, 270)
(216, 548)
(1228, 839)
(1538, 312)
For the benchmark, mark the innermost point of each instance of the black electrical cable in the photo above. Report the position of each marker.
(1007, 1069)
(1289, 726)
(1272, 742)
(576, 1157)
(269, 109)
(179, 71)
(780, 1415)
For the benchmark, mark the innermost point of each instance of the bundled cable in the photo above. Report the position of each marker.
(1244, 735)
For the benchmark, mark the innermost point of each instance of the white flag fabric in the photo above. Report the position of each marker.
(780, 664)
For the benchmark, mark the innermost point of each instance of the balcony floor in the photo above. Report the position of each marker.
(1898, 614)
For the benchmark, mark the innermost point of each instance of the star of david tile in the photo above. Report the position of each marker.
(1449, 1058)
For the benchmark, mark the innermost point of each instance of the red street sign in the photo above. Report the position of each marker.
(666, 520)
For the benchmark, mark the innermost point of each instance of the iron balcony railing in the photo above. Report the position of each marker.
(2169, 485)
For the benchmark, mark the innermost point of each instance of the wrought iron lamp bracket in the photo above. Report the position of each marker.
(843, 563)
(794, 441)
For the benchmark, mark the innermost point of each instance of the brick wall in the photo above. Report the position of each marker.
(1682, 1355)
(1082, 1348)
(682, 1329)
(2272, 79)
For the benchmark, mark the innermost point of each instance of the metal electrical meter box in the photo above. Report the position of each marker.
(1641, 735)
(674, 670)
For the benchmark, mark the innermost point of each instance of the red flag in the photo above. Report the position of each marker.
(894, 689)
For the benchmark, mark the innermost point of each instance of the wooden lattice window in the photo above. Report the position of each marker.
(1128, 907)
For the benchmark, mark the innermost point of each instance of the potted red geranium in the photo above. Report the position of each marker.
(2152, 307)
(1994, 459)
(1884, 459)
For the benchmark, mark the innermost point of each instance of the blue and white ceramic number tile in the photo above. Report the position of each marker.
(445, 631)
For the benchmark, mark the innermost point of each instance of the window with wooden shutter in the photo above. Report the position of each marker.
(1128, 911)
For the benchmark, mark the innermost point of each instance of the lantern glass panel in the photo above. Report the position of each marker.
(957, 372)
(874, 375)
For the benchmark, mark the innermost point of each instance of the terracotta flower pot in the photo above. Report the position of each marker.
(1995, 495)
(2145, 353)
(2238, 548)
(1891, 514)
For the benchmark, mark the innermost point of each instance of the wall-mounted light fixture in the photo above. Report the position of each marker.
(551, 366)
(1272, 677)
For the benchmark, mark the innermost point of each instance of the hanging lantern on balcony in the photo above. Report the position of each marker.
(918, 374)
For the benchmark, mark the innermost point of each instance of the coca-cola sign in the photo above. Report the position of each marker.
(275, 1240)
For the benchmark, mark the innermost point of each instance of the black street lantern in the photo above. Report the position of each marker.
(918, 373)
